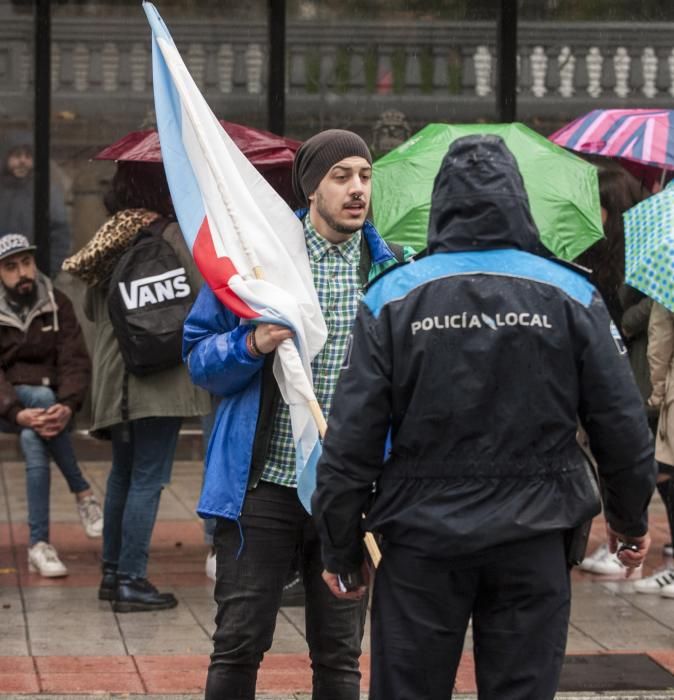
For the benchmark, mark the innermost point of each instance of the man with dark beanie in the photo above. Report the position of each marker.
(250, 482)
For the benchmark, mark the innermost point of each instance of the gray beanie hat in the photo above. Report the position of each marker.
(319, 153)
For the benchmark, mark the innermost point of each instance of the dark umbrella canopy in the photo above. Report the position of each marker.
(262, 148)
(272, 155)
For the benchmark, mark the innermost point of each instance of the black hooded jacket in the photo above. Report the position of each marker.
(478, 361)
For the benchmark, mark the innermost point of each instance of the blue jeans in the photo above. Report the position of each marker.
(37, 451)
(142, 460)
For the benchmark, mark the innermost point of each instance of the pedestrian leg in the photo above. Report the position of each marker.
(521, 619)
(420, 613)
(152, 444)
(38, 482)
(60, 447)
(334, 628)
(253, 558)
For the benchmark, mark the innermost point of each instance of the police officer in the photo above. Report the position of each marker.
(478, 360)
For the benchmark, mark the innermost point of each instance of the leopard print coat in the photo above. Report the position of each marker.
(95, 262)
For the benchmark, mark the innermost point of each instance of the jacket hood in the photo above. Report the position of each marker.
(94, 263)
(479, 201)
(44, 302)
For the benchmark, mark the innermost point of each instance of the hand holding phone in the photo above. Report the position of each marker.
(350, 582)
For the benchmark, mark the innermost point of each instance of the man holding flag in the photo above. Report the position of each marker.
(251, 479)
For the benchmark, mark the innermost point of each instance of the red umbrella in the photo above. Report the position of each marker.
(263, 149)
(272, 155)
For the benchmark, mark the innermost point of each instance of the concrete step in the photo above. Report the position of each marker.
(89, 449)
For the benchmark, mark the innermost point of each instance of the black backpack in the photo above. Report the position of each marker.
(149, 297)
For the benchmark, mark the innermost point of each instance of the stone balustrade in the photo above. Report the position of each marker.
(344, 73)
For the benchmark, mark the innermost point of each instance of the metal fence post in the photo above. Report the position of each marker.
(276, 75)
(41, 117)
(506, 44)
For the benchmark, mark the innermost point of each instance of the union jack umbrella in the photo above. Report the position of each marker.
(641, 137)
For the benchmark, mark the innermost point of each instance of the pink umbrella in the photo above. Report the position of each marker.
(642, 138)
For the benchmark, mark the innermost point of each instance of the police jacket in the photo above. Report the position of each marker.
(478, 360)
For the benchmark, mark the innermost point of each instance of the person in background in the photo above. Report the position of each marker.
(629, 309)
(250, 483)
(17, 183)
(140, 414)
(661, 362)
(44, 377)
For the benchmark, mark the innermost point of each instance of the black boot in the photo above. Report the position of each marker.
(138, 594)
(108, 587)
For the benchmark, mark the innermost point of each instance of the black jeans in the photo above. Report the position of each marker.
(519, 598)
(248, 592)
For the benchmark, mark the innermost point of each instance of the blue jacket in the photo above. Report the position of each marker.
(214, 347)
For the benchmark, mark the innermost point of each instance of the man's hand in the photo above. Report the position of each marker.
(332, 582)
(30, 417)
(268, 336)
(628, 558)
(46, 422)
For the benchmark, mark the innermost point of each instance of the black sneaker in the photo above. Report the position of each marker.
(108, 587)
(138, 595)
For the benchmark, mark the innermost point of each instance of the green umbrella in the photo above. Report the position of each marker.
(563, 189)
(649, 247)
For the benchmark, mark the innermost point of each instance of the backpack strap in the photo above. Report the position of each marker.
(397, 250)
(156, 228)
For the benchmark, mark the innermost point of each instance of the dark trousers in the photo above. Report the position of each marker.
(248, 592)
(519, 599)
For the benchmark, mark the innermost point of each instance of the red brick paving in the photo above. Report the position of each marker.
(664, 657)
(87, 682)
(179, 562)
(18, 683)
(84, 664)
(465, 677)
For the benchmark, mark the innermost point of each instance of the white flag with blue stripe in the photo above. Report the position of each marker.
(235, 224)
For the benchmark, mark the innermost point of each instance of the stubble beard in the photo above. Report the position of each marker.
(25, 298)
(336, 226)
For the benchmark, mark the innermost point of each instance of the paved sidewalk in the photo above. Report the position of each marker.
(57, 638)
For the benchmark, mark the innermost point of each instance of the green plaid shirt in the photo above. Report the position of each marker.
(335, 272)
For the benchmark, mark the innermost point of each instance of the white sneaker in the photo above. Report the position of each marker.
(210, 566)
(91, 516)
(668, 550)
(43, 559)
(667, 591)
(590, 562)
(604, 563)
(656, 583)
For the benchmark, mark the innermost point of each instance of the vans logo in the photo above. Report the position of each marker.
(467, 320)
(156, 289)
